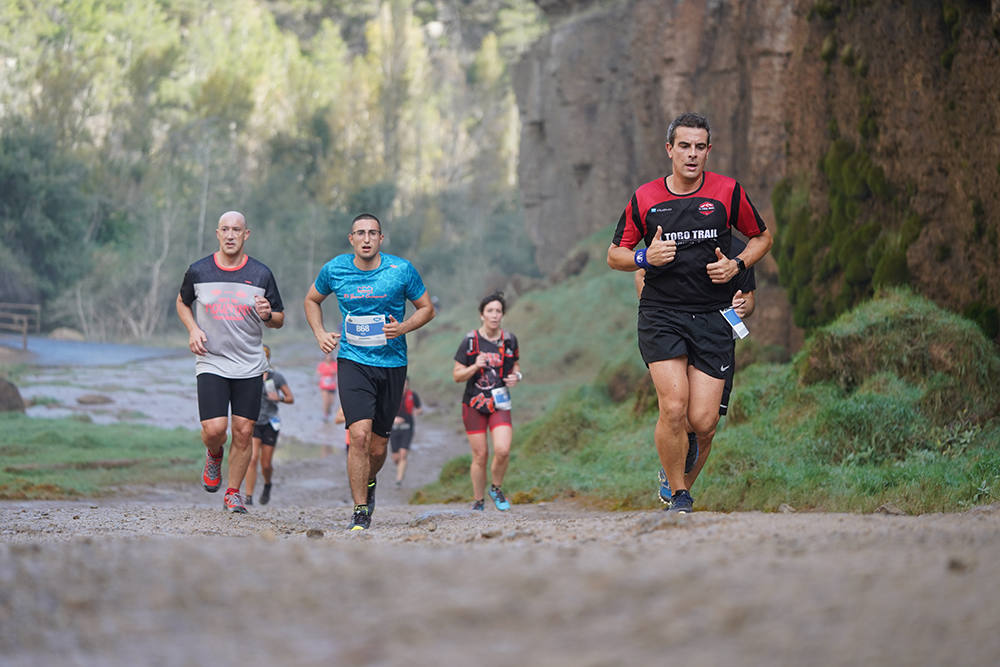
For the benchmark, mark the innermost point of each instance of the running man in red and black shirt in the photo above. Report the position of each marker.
(225, 302)
(685, 221)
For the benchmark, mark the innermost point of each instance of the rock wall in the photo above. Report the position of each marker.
(597, 93)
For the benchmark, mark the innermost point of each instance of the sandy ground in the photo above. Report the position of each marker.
(165, 577)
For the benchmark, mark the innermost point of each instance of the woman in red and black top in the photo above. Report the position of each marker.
(487, 362)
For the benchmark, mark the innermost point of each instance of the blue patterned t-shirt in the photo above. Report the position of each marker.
(381, 291)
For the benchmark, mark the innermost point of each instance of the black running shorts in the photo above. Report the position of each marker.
(266, 433)
(216, 394)
(724, 405)
(706, 339)
(370, 392)
(401, 437)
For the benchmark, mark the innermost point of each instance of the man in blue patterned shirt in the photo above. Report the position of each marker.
(372, 289)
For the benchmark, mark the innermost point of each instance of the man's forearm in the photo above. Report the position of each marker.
(757, 247)
(419, 318)
(621, 259)
(314, 316)
(186, 315)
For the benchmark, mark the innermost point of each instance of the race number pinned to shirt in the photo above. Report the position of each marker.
(364, 330)
(739, 329)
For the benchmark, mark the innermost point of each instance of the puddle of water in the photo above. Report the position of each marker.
(157, 386)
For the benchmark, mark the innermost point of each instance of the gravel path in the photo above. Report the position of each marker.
(170, 579)
(165, 577)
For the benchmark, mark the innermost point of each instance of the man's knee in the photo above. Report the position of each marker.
(672, 410)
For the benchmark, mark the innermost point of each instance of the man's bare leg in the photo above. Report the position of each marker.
(239, 450)
(359, 459)
(670, 379)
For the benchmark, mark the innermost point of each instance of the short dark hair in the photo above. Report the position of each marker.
(688, 119)
(367, 216)
(490, 298)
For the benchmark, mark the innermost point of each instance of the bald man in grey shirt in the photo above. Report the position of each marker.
(225, 301)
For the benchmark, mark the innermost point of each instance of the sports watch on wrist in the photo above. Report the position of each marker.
(740, 266)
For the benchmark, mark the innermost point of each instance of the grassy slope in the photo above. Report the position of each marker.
(56, 458)
(889, 404)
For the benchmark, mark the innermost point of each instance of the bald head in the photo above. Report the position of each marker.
(232, 233)
(232, 217)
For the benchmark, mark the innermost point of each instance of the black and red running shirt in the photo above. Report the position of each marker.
(699, 222)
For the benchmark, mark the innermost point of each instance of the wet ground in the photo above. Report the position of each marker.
(165, 577)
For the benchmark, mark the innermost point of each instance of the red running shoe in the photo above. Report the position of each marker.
(211, 476)
(233, 503)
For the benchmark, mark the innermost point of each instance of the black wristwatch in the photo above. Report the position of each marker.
(740, 266)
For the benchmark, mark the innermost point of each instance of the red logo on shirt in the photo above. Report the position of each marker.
(706, 207)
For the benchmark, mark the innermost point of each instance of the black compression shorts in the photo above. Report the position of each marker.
(216, 394)
(401, 437)
(706, 339)
(266, 433)
(370, 392)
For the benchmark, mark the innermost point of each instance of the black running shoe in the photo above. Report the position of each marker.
(370, 500)
(265, 496)
(681, 502)
(692, 456)
(361, 519)
(249, 501)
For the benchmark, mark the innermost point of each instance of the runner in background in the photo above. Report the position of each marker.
(225, 302)
(326, 370)
(487, 361)
(340, 419)
(402, 430)
(265, 431)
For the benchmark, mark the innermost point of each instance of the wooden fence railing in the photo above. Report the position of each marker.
(21, 318)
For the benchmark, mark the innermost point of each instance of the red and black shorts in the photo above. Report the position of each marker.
(476, 422)
(706, 339)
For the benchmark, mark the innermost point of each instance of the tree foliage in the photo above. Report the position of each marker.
(128, 128)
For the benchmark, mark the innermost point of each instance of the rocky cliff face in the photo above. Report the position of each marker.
(596, 96)
(597, 93)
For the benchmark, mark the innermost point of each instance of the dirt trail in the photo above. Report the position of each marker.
(168, 578)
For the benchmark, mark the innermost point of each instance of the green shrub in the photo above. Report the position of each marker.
(908, 335)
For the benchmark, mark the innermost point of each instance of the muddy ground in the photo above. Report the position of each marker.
(162, 576)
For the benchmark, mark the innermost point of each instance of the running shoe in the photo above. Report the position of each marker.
(498, 498)
(265, 495)
(479, 506)
(692, 455)
(233, 503)
(681, 502)
(664, 493)
(370, 500)
(361, 519)
(249, 501)
(211, 476)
